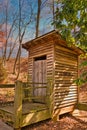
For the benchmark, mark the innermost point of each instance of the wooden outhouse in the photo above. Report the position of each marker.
(52, 69)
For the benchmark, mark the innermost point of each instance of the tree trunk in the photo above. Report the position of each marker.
(53, 13)
(11, 50)
(38, 18)
(16, 61)
(19, 62)
(5, 49)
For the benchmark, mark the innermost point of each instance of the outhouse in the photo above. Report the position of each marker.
(52, 69)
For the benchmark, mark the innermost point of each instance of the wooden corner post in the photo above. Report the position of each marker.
(18, 105)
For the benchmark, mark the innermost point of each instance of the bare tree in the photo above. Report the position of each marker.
(20, 21)
(22, 26)
(12, 47)
(6, 20)
(7, 14)
(38, 18)
(45, 12)
(2, 40)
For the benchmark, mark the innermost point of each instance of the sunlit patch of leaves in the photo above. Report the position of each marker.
(83, 76)
(71, 21)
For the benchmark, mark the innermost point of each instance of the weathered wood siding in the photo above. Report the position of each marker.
(40, 77)
(65, 91)
(39, 49)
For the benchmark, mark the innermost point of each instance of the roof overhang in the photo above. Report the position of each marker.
(53, 36)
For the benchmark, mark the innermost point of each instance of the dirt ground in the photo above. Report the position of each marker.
(66, 122)
(4, 126)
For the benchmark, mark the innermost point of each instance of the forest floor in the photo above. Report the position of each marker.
(4, 126)
(66, 122)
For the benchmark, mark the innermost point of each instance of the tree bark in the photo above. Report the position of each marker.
(38, 18)
(5, 50)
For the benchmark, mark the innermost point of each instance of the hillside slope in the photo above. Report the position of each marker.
(11, 78)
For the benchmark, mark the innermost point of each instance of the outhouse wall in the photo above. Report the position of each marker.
(66, 71)
(41, 48)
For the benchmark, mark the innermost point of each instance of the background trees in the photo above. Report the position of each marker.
(71, 21)
(44, 16)
(22, 20)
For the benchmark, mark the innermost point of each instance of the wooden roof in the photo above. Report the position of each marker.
(51, 36)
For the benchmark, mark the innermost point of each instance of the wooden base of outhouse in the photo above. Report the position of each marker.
(60, 111)
(66, 109)
(35, 117)
(31, 113)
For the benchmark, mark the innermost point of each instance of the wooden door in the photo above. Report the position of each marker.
(39, 77)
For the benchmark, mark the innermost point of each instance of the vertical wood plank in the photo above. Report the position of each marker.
(78, 88)
(18, 104)
(39, 77)
(36, 74)
(44, 77)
